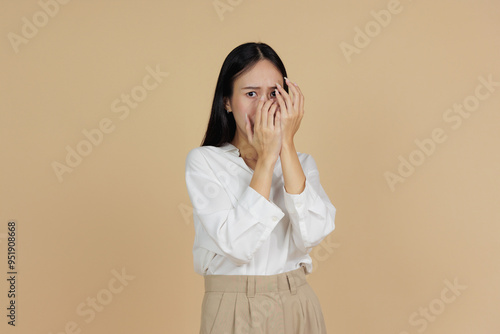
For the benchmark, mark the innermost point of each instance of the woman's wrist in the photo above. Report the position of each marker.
(266, 162)
(288, 145)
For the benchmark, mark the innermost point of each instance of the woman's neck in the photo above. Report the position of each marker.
(247, 151)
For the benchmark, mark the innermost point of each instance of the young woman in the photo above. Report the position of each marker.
(258, 205)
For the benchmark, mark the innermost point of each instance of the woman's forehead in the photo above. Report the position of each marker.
(263, 74)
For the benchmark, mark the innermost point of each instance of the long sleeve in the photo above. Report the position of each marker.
(311, 213)
(233, 229)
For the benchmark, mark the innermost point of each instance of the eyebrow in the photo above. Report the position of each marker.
(255, 87)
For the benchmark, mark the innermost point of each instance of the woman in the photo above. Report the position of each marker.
(258, 205)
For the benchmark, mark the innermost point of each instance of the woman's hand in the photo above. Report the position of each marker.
(266, 134)
(291, 110)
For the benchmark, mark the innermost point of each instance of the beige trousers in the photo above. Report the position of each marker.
(276, 304)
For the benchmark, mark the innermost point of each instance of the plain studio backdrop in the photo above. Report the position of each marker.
(102, 100)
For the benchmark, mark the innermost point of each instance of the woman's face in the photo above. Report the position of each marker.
(249, 87)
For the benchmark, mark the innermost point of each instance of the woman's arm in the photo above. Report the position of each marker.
(292, 111)
(235, 231)
(311, 213)
(262, 177)
(293, 175)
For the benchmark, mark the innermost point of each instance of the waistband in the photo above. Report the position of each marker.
(252, 284)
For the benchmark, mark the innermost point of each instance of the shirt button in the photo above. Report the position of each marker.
(275, 218)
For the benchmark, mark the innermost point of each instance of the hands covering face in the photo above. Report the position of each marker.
(276, 121)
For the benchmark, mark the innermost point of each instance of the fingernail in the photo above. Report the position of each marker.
(277, 84)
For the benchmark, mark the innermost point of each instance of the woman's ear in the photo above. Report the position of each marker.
(227, 104)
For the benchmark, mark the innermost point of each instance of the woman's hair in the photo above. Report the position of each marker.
(221, 126)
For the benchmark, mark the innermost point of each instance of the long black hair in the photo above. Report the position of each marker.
(221, 126)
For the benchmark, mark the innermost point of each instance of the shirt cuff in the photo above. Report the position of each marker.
(297, 204)
(259, 207)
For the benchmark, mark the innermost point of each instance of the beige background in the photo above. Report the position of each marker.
(125, 206)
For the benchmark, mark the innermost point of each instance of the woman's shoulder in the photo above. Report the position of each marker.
(200, 154)
(197, 151)
(197, 154)
(207, 149)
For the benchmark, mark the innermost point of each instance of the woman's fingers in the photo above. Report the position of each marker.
(258, 113)
(270, 115)
(299, 101)
(281, 102)
(265, 120)
(286, 99)
(265, 113)
(296, 93)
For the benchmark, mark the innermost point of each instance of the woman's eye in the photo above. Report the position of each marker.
(251, 93)
(273, 94)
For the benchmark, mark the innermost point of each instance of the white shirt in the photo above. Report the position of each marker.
(237, 230)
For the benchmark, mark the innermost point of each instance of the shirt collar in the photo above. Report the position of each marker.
(230, 148)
